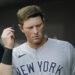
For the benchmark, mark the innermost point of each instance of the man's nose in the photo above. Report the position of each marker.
(35, 30)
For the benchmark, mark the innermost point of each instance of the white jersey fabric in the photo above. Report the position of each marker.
(55, 57)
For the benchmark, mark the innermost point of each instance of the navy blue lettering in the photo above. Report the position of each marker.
(23, 70)
(58, 69)
(30, 67)
(52, 67)
(39, 64)
(18, 71)
(45, 68)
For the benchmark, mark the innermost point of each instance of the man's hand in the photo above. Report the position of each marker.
(8, 37)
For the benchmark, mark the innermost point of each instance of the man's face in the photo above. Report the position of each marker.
(33, 29)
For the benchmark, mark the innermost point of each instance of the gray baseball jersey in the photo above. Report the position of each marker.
(55, 57)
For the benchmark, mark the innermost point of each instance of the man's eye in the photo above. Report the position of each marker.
(30, 27)
(38, 25)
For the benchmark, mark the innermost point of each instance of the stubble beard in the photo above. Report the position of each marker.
(38, 41)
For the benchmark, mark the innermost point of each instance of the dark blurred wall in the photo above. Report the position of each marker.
(59, 17)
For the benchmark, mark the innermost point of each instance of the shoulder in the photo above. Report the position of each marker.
(60, 43)
(19, 49)
(20, 46)
(64, 46)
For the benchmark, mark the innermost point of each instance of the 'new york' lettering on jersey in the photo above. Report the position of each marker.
(53, 58)
(43, 67)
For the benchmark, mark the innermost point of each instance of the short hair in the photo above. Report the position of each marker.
(28, 12)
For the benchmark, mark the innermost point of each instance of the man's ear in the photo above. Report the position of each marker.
(43, 19)
(20, 27)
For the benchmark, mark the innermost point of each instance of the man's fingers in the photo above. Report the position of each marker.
(8, 29)
(8, 37)
(11, 34)
(7, 34)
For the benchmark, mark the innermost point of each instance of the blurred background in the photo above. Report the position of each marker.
(59, 17)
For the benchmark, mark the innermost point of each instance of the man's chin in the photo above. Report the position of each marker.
(37, 42)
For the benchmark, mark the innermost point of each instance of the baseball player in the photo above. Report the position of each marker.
(38, 55)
